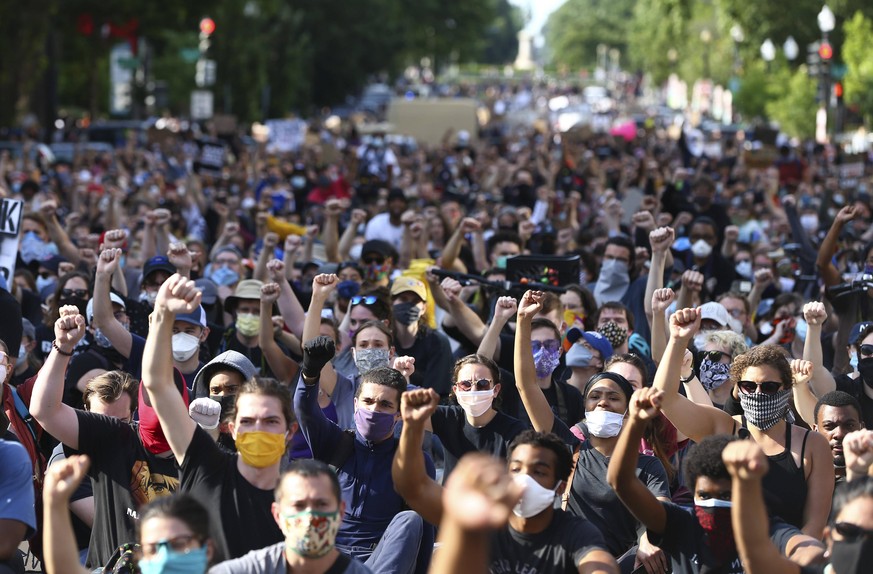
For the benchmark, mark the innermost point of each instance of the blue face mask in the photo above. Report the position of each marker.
(168, 561)
(224, 276)
(32, 248)
(45, 282)
(853, 361)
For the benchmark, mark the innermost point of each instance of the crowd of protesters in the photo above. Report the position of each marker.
(296, 364)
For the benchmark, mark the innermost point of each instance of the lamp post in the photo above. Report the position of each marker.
(706, 39)
(826, 23)
(738, 37)
(768, 52)
(791, 49)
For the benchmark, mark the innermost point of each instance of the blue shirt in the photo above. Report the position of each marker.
(16, 486)
(365, 477)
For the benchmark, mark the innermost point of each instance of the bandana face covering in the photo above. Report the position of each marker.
(714, 516)
(377, 271)
(368, 359)
(311, 533)
(764, 411)
(260, 449)
(546, 361)
(713, 375)
(613, 333)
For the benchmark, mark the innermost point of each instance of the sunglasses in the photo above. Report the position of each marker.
(370, 260)
(550, 345)
(481, 385)
(767, 387)
(365, 299)
(866, 350)
(81, 293)
(713, 356)
(852, 532)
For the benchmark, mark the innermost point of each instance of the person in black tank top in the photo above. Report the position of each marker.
(764, 378)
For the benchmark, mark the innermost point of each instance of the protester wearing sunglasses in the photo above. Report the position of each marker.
(714, 363)
(473, 424)
(370, 305)
(800, 483)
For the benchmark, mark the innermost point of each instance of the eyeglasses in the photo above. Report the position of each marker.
(365, 299)
(736, 313)
(481, 385)
(550, 345)
(180, 543)
(866, 350)
(81, 293)
(228, 261)
(713, 356)
(852, 532)
(767, 387)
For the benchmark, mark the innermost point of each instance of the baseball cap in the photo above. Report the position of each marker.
(717, 312)
(597, 341)
(379, 247)
(410, 284)
(208, 291)
(196, 317)
(157, 263)
(859, 331)
(89, 309)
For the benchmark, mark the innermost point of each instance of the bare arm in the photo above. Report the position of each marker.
(60, 553)
(822, 380)
(660, 302)
(505, 309)
(465, 319)
(330, 231)
(621, 474)
(541, 416)
(58, 234)
(829, 272)
(820, 485)
(281, 365)
(408, 470)
(452, 248)
(267, 254)
(46, 406)
(660, 241)
(176, 295)
(351, 233)
(692, 420)
(104, 317)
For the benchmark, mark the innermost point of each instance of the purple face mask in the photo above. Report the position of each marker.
(546, 361)
(374, 426)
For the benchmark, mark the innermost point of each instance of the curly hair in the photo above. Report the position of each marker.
(704, 459)
(762, 355)
(733, 341)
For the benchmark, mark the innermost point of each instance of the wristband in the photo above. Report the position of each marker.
(59, 350)
(686, 380)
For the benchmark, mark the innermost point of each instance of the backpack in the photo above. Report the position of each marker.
(123, 560)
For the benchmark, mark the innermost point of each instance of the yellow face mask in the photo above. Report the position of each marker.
(260, 449)
(248, 324)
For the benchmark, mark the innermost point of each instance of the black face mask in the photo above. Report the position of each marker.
(227, 402)
(850, 557)
(81, 304)
(406, 313)
(865, 367)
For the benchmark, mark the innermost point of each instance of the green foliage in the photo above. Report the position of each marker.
(858, 82)
(751, 99)
(500, 43)
(794, 106)
(575, 29)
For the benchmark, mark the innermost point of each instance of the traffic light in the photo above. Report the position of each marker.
(838, 92)
(825, 51)
(207, 26)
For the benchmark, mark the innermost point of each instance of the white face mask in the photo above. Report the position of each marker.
(475, 403)
(184, 346)
(604, 424)
(712, 503)
(535, 498)
(809, 222)
(701, 248)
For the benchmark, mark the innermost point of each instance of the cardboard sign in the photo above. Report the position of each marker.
(10, 223)
(286, 135)
(211, 158)
(428, 120)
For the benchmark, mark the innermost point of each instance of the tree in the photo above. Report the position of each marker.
(795, 107)
(858, 82)
(574, 30)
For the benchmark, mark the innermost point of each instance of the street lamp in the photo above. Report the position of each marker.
(768, 52)
(738, 37)
(706, 38)
(791, 48)
(826, 23)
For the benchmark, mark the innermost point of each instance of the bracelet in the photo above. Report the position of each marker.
(59, 350)
(688, 379)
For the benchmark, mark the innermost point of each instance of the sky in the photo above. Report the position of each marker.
(539, 10)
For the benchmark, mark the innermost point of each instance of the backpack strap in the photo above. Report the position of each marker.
(24, 414)
(565, 498)
(562, 401)
(343, 450)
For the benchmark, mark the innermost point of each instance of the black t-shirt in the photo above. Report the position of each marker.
(685, 542)
(566, 400)
(124, 476)
(855, 387)
(240, 512)
(459, 437)
(556, 550)
(593, 498)
(433, 361)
